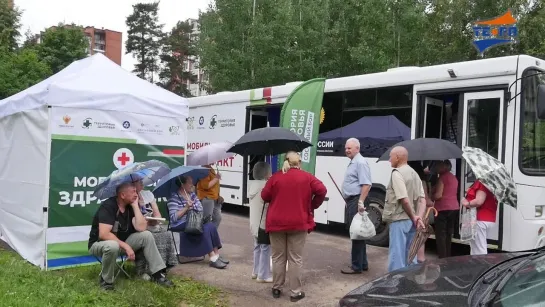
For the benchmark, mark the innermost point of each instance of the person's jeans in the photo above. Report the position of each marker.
(444, 229)
(401, 236)
(359, 247)
(262, 260)
(109, 251)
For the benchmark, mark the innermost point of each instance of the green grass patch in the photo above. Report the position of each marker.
(22, 284)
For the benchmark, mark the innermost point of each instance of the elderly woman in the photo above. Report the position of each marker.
(208, 243)
(293, 195)
(258, 214)
(446, 203)
(478, 196)
(163, 238)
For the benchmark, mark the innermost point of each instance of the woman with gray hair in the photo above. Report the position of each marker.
(258, 214)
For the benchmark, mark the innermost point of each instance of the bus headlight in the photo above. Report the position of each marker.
(539, 211)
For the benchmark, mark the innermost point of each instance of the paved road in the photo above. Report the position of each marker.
(325, 254)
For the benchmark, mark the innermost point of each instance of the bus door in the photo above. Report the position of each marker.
(483, 128)
(433, 114)
(258, 119)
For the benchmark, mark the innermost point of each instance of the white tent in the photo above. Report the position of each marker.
(59, 136)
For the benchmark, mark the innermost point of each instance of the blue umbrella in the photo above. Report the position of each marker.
(167, 185)
(149, 172)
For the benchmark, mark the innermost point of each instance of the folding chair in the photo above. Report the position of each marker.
(120, 266)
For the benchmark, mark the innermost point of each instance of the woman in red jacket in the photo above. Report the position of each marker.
(293, 195)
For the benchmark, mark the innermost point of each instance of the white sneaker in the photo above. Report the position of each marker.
(145, 277)
(268, 280)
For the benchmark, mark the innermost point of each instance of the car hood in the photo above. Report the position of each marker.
(442, 282)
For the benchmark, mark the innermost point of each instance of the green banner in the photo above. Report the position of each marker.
(301, 114)
(79, 163)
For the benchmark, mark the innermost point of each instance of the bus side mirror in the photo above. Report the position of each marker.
(541, 101)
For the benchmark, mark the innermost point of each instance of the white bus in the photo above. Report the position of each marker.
(489, 103)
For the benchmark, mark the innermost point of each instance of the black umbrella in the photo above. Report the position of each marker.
(269, 141)
(427, 149)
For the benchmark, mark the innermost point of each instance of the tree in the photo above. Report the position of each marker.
(20, 70)
(9, 26)
(144, 38)
(60, 46)
(178, 50)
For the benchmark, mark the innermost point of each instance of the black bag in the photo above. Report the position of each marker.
(194, 223)
(262, 235)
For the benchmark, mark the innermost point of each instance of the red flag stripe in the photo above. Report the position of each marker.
(173, 151)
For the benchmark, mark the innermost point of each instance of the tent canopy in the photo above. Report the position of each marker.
(97, 83)
(376, 127)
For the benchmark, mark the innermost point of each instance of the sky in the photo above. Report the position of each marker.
(107, 14)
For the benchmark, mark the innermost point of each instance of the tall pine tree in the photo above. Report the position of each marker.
(145, 39)
(178, 50)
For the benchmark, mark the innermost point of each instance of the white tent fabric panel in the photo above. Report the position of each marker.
(97, 83)
(24, 152)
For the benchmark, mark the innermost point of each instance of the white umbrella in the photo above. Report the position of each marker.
(493, 174)
(210, 154)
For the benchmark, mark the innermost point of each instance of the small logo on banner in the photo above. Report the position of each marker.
(126, 124)
(190, 123)
(213, 122)
(174, 130)
(66, 119)
(87, 123)
(123, 157)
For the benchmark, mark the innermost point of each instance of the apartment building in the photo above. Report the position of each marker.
(193, 65)
(107, 42)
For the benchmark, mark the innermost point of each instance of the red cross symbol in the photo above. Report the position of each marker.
(123, 159)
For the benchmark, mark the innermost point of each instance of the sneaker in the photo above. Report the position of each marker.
(163, 281)
(105, 285)
(254, 276)
(297, 297)
(223, 260)
(145, 277)
(268, 280)
(218, 264)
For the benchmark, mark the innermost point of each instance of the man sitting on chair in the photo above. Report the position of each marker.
(119, 225)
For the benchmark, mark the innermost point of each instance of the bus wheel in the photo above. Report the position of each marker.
(376, 206)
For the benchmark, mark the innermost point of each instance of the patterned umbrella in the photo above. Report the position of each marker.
(149, 172)
(421, 236)
(493, 174)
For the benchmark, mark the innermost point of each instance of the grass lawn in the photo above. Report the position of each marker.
(22, 284)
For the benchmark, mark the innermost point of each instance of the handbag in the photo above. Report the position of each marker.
(194, 223)
(262, 235)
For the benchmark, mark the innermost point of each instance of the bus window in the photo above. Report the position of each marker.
(392, 101)
(532, 136)
(332, 116)
(483, 123)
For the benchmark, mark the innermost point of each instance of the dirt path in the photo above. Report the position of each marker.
(325, 255)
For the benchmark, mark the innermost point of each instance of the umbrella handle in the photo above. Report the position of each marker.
(428, 212)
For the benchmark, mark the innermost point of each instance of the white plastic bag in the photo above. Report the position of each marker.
(468, 222)
(362, 228)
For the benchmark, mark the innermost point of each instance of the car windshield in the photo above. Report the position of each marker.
(525, 286)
